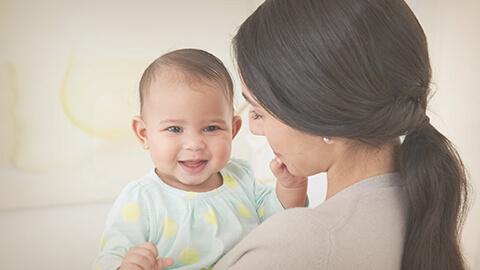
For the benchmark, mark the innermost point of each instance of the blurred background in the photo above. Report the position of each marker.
(69, 72)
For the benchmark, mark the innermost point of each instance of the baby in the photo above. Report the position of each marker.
(197, 203)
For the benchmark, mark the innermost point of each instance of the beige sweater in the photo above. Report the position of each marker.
(361, 227)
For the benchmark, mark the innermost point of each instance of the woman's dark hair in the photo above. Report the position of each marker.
(360, 69)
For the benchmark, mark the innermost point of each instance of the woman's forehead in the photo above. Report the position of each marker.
(248, 97)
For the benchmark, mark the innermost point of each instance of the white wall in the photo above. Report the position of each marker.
(55, 238)
(453, 29)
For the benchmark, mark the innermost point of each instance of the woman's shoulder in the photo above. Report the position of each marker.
(371, 198)
(292, 239)
(364, 224)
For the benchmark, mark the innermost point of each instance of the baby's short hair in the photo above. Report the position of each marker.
(195, 64)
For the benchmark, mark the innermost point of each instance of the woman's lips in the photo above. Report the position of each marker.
(193, 166)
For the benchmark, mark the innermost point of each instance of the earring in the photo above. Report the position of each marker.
(145, 146)
(327, 140)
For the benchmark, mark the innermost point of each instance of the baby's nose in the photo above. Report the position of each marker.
(194, 143)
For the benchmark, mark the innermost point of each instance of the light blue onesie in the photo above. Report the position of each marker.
(193, 228)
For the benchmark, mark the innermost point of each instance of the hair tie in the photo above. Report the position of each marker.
(423, 125)
(425, 122)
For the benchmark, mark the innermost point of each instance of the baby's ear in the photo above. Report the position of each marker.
(140, 130)
(236, 125)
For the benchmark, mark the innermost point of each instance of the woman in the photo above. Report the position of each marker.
(334, 85)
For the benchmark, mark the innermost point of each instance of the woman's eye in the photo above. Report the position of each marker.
(254, 115)
(211, 128)
(174, 129)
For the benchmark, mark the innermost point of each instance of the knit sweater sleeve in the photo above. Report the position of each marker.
(363, 228)
(281, 242)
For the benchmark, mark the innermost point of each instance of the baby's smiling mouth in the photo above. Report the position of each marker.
(192, 163)
(193, 166)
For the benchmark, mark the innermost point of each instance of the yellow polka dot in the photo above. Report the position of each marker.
(211, 217)
(192, 195)
(189, 256)
(130, 212)
(230, 181)
(170, 228)
(103, 241)
(243, 211)
(98, 268)
(261, 212)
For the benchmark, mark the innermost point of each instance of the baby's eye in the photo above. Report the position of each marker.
(211, 128)
(174, 129)
(254, 115)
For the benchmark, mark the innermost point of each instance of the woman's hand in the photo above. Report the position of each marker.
(144, 257)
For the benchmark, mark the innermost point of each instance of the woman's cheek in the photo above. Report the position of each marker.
(256, 127)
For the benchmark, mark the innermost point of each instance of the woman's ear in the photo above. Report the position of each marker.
(140, 130)
(236, 125)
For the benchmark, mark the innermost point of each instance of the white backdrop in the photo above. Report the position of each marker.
(453, 29)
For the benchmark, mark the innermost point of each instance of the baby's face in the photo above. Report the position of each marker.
(189, 131)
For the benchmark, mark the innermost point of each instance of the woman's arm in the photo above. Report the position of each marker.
(288, 240)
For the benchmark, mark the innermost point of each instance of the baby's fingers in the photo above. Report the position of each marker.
(130, 267)
(142, 257)
(137, 260)
(151, 248)
(277, 167)
(164, 262)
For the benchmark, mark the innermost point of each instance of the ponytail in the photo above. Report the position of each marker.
(437, 191)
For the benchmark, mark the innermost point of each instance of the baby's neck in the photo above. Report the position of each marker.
(213, 182)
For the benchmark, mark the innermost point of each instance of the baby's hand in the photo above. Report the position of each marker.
(144, 257)
(284, 177)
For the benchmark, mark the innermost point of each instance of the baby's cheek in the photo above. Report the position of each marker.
(223, 149)
(163, 153)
